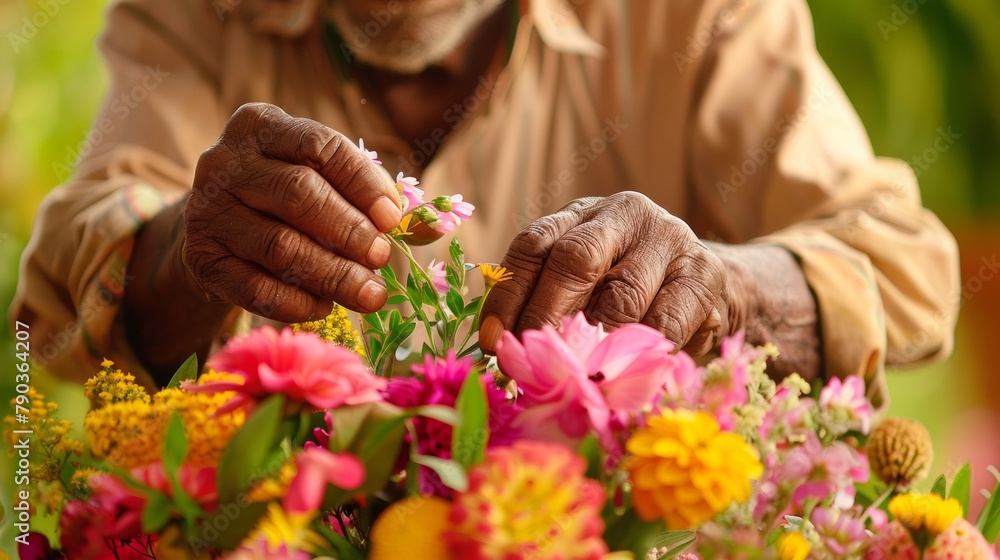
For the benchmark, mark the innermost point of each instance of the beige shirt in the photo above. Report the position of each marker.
(721, 111)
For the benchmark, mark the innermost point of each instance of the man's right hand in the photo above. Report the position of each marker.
(285, 217)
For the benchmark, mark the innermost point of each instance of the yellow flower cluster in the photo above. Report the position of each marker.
(925, 512)
(112, 385)
(293, 531)
(685, 471)
(51, 438)
(336, 328)
(130, 433)
(793, 546)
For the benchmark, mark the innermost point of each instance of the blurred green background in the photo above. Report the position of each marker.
(910, 67)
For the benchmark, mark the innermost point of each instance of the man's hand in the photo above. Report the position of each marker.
(284, 217)
(621, 259)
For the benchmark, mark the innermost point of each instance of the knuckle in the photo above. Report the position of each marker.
(620, 302)
(577, 257)
(281, 245)
(315, 143)
(259, 297)
(294, 186)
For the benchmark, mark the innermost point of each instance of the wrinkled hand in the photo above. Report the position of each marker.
(284, 217)
(622, 259)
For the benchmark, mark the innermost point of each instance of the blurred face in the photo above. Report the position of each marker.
(407, 36)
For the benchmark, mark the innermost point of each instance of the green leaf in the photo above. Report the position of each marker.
(774, 535)
(413, 291)
(628, 532)
(961, 487)
(187, 372)
(440, 413)
(675, 541)
(243, 517)
(455, 302)
(989, 518)
(342, 547)
(456, 253)
(939, 486)
(451, 472)
(245, 456)
(374, 433)
(397, 299)
(468, 443)
(156, 513)
(174, 445)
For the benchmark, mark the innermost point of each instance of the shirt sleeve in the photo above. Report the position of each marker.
(161, 111)
(778, 155)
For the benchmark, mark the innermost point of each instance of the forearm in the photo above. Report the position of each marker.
(778, 306)
(166, 317)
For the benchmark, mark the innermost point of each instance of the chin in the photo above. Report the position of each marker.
(407, 36)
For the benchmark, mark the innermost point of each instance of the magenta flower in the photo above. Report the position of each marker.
(412, 195)
(437, 382)
(845, 401)
(438, 276)
(838, 531)
(372, 154)
(578, 379)
(299, 365)
(821, 472)
(317, 468)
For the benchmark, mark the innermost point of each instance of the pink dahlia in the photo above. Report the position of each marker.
(580, 379)
(299, 365)
(438, 382)
(528, 500)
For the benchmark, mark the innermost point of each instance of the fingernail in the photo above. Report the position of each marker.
(490, 332)
(385, 213)
(378, 255)
(372, 295)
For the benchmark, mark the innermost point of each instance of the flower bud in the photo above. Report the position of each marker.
(900, 452)
(442, 203)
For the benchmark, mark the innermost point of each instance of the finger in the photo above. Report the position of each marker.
(300, 197)
(247, 285)
(524, 260)
(706, 337)
(688, 297)
(571, 272)
(297, 260)
(342, 164)
(623, 295)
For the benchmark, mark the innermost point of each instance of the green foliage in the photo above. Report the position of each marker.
(187, 372)
(468, 442)
(245, 458)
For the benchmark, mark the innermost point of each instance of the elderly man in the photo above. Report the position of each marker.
(226, 178)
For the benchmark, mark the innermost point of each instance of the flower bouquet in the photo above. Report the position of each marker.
(324, 440)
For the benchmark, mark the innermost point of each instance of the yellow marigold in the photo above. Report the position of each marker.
(925, 512)
(336, 328)
(793, 546)
(411, 528)
(111, 385)
(684, 470)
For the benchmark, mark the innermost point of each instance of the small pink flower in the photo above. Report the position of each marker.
(580, 379)
(299, 365)
(838, 531)
(820, 472)
(846, 400)
(725, 385)
(372, 154)
(439, 277)
(261, 549)
(317, 468)
(787, 417)
(412, 195)
(452, 212)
